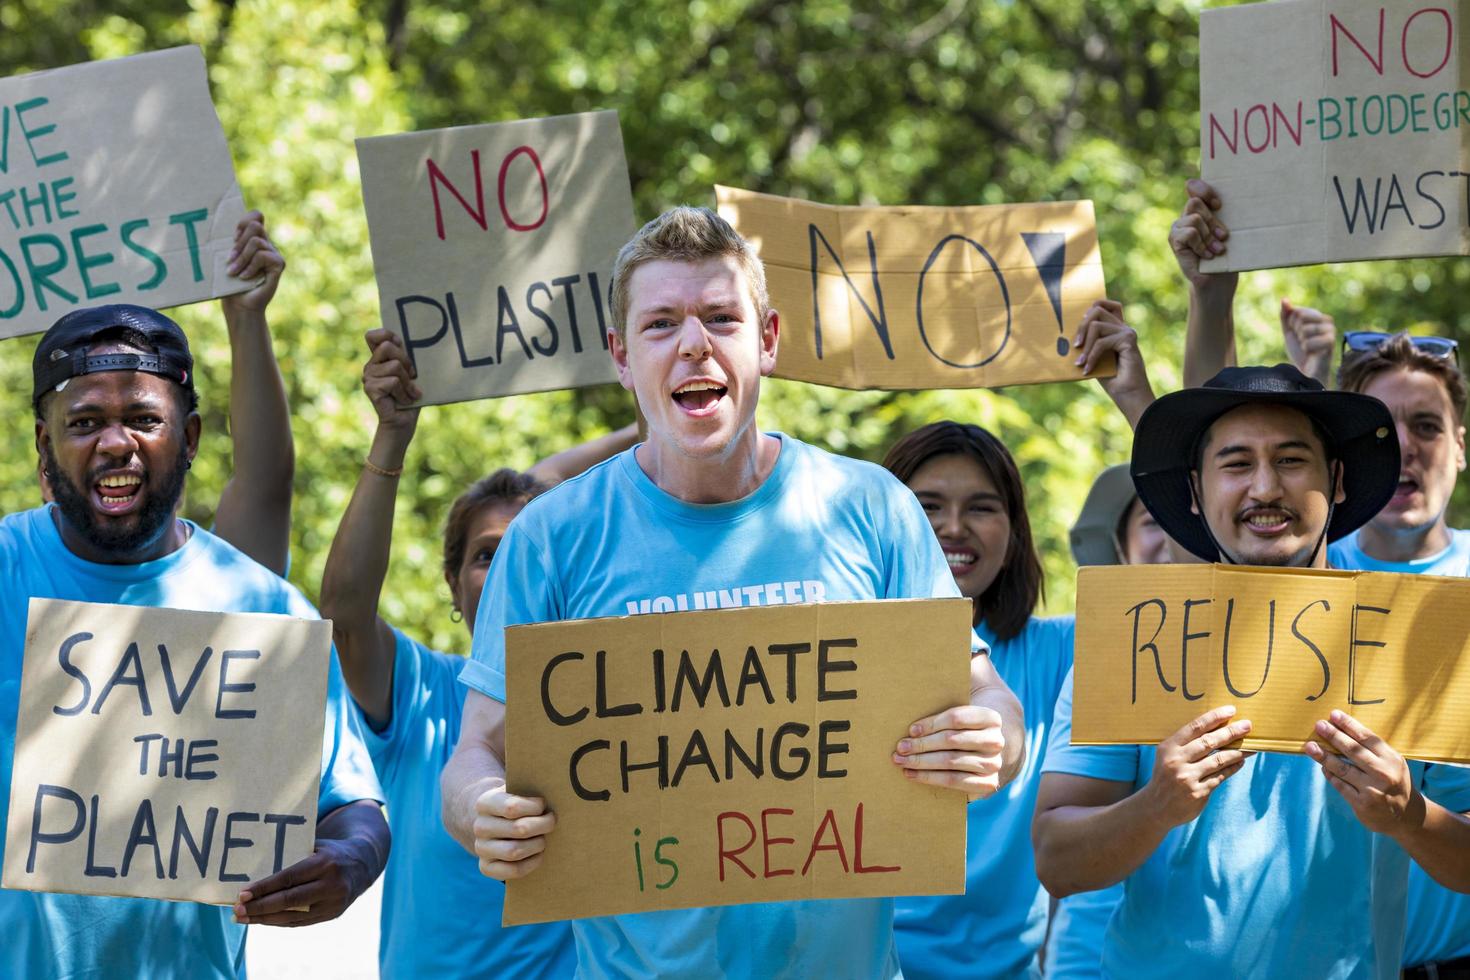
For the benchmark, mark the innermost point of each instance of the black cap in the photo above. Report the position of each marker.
(62, 353)
(1359, 427)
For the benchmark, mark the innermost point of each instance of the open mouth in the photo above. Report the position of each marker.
(1267, 521)
(961, 560)
(1406, 488)
(699, 398)
(117, 493)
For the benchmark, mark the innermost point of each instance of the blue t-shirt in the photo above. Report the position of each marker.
(610, 543)
(1439, 919)
(52, 935)
(996, 927)
(1275, 878)
(1074, 943)
(441, 917)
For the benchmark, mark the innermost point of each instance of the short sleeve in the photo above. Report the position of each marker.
(521, 588)
(385, 744)
(1115, 763)
(1448, 785)
(347, 769)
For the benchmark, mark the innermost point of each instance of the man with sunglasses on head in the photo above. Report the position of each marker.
(1419, 380)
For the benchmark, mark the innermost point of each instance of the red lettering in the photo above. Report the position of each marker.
(857, 850)
(1279, 119)
(830, 820)
(436, 177)
(734, 855)
(1265, 138)
(1338, 26)
(540, 174)
(1231, 139)
(767, 840)
(1449, 34)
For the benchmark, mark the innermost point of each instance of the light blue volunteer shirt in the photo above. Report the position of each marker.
(64, 936)
(996, 927)
(1439, 919)
(610, 543)
(441, 917)
(1276, 878)
(1074, 944)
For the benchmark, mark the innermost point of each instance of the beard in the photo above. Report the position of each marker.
(158, 509)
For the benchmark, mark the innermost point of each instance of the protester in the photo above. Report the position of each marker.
(708, 501)
(1419, 380)
(1113, 528)
(254, 508)
(440, 916)
(968, 485)
(116, 429)
(1253, 865)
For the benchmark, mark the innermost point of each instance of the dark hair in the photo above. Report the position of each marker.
(1011, 599)
(504, 486)
(1329, 448)
(1358, 368)
(125, 336)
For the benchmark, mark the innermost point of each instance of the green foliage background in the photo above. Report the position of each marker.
(841, 101)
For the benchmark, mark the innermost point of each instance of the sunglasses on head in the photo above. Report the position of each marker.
(1367, 340)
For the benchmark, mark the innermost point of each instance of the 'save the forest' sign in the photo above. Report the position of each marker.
(1336, 130)
(1158, 645)
(728, 756)
(161, 753)
(924, 297)
(493, 248)
(116, 186)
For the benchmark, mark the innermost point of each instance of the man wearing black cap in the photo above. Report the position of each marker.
(1254, 865)
(116, 431)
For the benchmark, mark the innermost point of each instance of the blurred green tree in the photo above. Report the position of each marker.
(840, 101)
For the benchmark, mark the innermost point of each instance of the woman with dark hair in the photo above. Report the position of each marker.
(969, 486)
(440, 917)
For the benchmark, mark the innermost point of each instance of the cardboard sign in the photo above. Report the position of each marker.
(493, 248)
(1335, 131)
(116, 186)
(924, 297)
(1159, 645)
(738, 755)
(164, 754)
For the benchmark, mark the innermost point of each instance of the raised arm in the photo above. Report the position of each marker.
(254, 512)
(358, 560)
(569, 462)
(1209, 339)
(1103, 331)
(1311, 337)
(505, 832)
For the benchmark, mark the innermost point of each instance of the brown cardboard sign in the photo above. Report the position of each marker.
(163, 753)
(738, 755)
(493, 249)
(924, 297)
(1158, 645)
(116, 186)
(1335, 131)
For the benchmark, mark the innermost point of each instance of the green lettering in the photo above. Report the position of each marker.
(188, 219)
(41, 273)
(32, 135)
(61, 198)
(160, 268)
(86, 262)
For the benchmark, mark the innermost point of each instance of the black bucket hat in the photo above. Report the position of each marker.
(62, 352)
(1167, 440)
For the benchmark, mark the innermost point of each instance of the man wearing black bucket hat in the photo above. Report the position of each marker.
(1254, 865)
(116, 430)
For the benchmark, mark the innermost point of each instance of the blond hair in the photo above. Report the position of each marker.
(686, 234)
